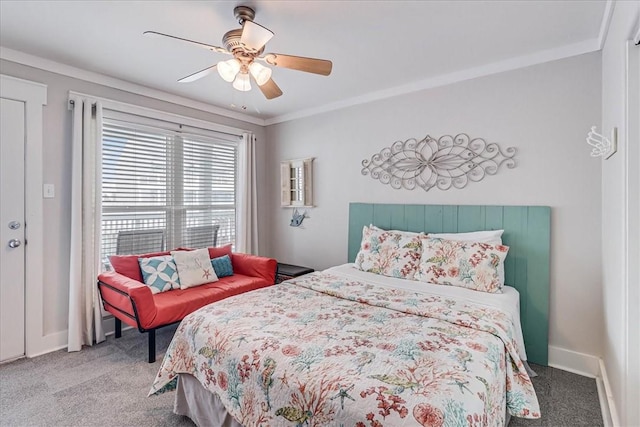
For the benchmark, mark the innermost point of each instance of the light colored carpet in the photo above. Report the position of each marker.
(107, 385)
(103, 385)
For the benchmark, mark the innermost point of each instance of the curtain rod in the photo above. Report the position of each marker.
(151, 113)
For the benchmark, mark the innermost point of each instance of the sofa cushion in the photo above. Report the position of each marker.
(222, 266)
(254, 266)
(173, 306)
(128, 265)
(219, 251)
(118, 293)
(160, 273)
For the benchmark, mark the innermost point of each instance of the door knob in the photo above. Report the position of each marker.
(14, 243)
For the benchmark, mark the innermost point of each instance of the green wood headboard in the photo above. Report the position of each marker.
(526, 232)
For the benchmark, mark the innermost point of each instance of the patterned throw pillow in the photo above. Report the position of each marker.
(222, 266)
(389, 253)
(493, 237)
(470, 265)
(159, 273)
(194, 268)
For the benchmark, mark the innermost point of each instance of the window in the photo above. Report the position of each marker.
(296, 182)
(164, 188)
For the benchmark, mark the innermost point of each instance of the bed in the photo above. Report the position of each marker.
(349, 347)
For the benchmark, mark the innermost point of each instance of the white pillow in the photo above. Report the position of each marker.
(408, 234)
(194, 268)
(489, 236)
(493, 237)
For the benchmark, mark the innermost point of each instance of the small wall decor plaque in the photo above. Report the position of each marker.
(443, 163)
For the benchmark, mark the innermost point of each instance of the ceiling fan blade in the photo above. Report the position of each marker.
(197, 75)
(270, 89)
(300, 63)
(254, 36)
(204, 45)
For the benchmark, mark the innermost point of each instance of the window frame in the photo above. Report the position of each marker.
(182, 128)
(296, 183)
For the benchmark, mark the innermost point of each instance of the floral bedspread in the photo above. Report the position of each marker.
(325, 350)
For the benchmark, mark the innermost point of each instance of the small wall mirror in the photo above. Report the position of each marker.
(296, 180)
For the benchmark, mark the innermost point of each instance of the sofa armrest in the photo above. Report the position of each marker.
(129, 297)
(255, 266)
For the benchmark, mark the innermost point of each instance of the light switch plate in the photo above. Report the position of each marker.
(48, 191)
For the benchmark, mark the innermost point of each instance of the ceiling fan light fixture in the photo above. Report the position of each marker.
(255, 36)
(242, 82)
(228, 69)
(246, 45)
(261, 73)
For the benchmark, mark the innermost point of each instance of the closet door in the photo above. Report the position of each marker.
(12, 226)
(22, 280)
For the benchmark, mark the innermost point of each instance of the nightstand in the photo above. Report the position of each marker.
(288, 271)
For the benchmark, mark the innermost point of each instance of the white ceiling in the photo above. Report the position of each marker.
(378, 48)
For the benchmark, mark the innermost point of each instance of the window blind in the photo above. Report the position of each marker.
(163, 188)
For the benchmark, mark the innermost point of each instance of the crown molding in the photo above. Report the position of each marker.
(515, 63)
(101, 79)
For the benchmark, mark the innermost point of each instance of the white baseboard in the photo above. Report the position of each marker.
(592, 367)
(608, 405)
(572, 361)
(58, 340)
(47, 344)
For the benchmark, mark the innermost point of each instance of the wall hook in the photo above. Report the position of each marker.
(602, 146)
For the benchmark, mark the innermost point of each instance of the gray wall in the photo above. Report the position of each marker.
(57, 171)
(545, 111)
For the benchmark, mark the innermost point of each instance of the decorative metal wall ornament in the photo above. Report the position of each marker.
(297, 218)
(601, 145)
(443, 162)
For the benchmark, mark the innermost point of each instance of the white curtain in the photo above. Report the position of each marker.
(247, 208)
(85, 314)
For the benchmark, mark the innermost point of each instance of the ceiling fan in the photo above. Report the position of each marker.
(246, 45)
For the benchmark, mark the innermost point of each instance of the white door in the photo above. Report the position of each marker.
(12, 213)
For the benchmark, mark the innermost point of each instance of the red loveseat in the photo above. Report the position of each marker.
(129, 300)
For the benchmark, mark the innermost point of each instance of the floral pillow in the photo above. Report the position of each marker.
(489, 236)
(471, 265)
(389, 253)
